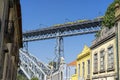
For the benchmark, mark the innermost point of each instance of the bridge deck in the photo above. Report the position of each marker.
(68, 29)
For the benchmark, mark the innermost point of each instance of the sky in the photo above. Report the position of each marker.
(37, 14)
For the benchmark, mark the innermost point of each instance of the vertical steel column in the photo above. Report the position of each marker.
(59, 50)
(60, 47)
(66, 72)
(25, 46)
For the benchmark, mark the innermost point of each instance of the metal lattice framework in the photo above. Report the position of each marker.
(31, 67)
(58, 32)
(64, 30)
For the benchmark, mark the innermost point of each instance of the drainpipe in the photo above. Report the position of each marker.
(117, 20)
(117, 56)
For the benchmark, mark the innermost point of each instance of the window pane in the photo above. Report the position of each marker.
(110, 57)
(102, 60)
(95, 62)
(88, 66)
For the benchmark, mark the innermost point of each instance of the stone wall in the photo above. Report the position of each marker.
(11, 38)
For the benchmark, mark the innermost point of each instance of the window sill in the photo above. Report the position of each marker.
(95, 72)
(102, 71)
(110, 69)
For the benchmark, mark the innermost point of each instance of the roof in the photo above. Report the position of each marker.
(106, 34)
(86, 51)
(73, 63)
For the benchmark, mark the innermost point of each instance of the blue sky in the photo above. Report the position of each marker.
(38, 14)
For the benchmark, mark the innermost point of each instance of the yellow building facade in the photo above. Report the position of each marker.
(83, 65)
(104, 56)
(74, 77)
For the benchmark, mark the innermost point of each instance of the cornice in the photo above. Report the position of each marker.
(103, 40)
(105, 37)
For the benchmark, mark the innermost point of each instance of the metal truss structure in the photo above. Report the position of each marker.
(59, 51)
(68, 29)
(58, 31)
(32, 67)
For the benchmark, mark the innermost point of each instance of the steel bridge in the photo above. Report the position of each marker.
(62, 30)
(59, 31)
(32, 67)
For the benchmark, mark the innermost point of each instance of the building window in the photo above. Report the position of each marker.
(95, 63)
(88, 66)
(78, 70)
(110, 58)
(61, 75)
(75, 71)
(102, 60)
(83, 69)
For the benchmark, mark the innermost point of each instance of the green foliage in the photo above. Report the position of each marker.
(109, 18)
(69, 23)
(97, 34)
(52, 63)
(34, 78)
(81, 20)
(21, 77)
(57, 25)
(117, 1)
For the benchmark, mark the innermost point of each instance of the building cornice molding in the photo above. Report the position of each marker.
(102, 39)
(85, 52)
(83, 55)
(104, 75)
(117, 12)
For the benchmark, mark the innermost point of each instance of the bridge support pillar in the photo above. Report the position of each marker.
(25, 46)
(59, 51)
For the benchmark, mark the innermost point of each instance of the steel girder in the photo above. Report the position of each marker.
(76, 28)
(31, 67)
